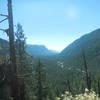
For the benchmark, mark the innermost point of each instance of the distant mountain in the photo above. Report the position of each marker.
(39, 50)
(34, 50)
(72, 55)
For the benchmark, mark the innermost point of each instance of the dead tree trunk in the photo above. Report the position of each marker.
(99, 88)
(88, 77)
(12, 52)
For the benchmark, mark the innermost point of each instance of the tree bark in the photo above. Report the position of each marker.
(12, 52)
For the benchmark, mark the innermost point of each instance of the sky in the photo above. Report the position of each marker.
(54, 23)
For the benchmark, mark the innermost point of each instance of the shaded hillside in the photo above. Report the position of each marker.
(4, 47)
(72, 55)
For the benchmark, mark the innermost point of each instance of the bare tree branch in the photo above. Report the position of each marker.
(3, 20)
(3, 15)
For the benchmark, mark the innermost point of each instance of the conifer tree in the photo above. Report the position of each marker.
(21, 55)
(20, 43)
(41, 83)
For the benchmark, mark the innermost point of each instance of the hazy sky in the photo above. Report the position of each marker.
(55, 23)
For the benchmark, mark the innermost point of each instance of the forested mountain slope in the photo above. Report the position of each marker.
(90, 43)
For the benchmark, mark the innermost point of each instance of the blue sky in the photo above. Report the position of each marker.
(54, 23)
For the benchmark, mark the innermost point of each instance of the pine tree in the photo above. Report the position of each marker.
(41, 89)
(21, 55)
(20, 43)
(24, 66)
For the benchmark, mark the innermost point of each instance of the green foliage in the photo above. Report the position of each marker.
(41, 85)
(23, 62)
